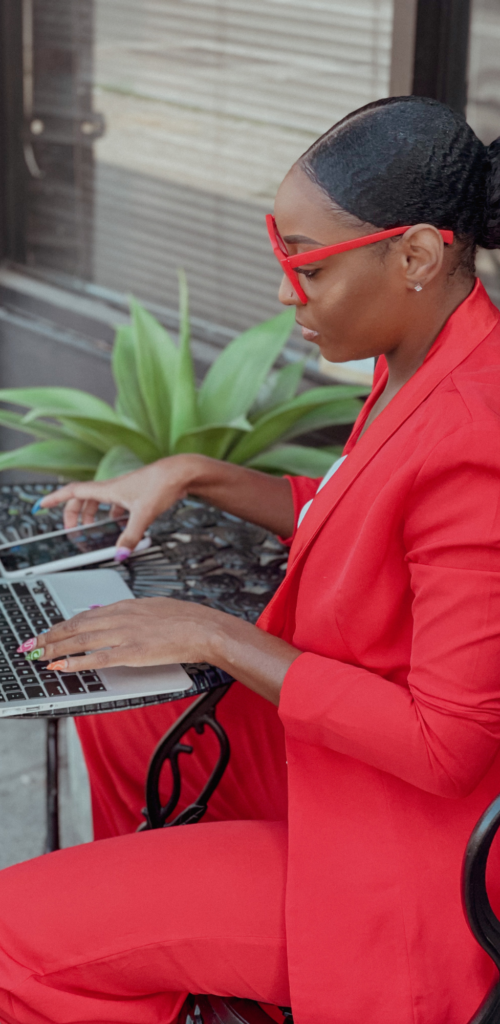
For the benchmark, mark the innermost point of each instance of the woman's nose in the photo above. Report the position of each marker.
(287, 294)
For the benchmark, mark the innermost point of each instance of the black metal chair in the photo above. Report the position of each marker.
(204, 1009)
(215, 1010)
(483, 923)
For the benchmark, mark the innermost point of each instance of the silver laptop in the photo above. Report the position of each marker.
(26, 687)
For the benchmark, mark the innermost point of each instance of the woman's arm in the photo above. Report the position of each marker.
(441, 732)
(147, 492)
(162, 631)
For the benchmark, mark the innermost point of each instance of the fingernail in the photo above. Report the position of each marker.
(28, 645)
(36, 654)
(37, 506)
(95, 606)
(58, 665)
(121, 554)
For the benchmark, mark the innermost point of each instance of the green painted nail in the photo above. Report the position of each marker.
(34, 655)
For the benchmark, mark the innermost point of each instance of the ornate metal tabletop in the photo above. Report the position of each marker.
(198, 554)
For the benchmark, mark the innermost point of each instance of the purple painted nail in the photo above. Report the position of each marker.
(95, 606)
(121, 554)
(28, 645)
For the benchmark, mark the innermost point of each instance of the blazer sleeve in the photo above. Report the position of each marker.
(441, 731)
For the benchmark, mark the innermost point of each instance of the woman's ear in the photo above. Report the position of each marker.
(422, 252)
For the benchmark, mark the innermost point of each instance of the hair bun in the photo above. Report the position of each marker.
(490, 235)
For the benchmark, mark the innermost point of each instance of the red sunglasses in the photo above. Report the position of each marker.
(289, 262)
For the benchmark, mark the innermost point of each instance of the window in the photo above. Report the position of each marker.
(483, 109)
(157, 133)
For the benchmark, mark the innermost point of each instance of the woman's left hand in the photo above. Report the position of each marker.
(147, 631)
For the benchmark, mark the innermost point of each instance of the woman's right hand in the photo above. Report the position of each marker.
(144, 494)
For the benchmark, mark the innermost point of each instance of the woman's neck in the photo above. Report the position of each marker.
(405, 358)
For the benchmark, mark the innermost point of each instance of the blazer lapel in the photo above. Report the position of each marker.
(467, 327)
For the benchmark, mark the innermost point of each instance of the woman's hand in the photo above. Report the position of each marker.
(144, 493)
(146, 631)
(162, 631)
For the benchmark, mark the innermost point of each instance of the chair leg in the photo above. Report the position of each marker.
(52, 786)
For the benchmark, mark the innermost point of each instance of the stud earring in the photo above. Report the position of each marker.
(418, 287)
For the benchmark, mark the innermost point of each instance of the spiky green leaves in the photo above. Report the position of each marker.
(240, 412)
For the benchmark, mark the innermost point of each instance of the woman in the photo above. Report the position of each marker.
(380, 651)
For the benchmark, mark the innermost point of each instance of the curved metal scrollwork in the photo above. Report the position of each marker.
(483, 922)
(199, 715)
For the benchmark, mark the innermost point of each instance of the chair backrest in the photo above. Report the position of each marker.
(483, 922)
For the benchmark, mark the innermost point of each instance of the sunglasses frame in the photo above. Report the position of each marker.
(288, 263)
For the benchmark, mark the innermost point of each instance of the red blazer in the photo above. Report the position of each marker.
(392, 713)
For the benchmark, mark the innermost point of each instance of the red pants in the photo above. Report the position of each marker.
(118, 747)
(120, 930)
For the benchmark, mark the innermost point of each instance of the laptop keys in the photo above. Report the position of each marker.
(73, 684)
(13, 691)
(55, 689)
(23, 676)
(34, 692)
(19, 678)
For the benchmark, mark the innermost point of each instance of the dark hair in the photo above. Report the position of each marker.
(411, 160)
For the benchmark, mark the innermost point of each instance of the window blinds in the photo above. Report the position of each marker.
(206, 104)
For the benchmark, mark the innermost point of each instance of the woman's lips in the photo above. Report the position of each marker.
(308, 334)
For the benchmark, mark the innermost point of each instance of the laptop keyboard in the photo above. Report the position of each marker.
(24, 612)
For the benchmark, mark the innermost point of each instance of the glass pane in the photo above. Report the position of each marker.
(206, 104)
(483, 109)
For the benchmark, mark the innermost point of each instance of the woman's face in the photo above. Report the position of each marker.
(357, 300)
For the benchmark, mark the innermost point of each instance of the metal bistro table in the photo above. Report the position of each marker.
(198, 554)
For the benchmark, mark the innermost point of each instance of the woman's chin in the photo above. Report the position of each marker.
(335, 353)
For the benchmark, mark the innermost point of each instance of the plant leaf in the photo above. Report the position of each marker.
(280, 387)
(279, 423)
(129, 400)
(324, 416)
(156, 359)
(66, 457)
(215, 440)
(116, 462)
(68, 400)
(296, 459)
(184, 414)
(42, 430)
(103, 435)
(233, 381)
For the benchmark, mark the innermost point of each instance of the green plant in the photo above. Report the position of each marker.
(240, 412)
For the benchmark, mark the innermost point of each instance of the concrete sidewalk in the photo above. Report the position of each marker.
(22, 789)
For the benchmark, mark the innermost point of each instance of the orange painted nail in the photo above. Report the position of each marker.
(58, 665)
